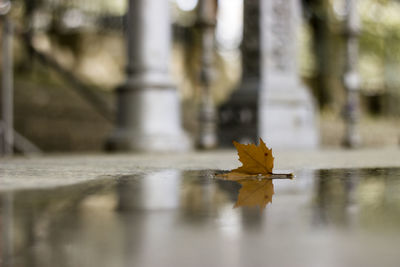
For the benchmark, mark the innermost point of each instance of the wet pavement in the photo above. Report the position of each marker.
(175, 217)
(60, 170)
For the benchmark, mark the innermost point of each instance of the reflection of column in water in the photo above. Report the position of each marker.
(6, 230)
(207, 204)
(334, 199)
(351, 181)
(291, 199)
(203, 196)
(379, 200)
(148, 206)
(198, 197)
(157, 190)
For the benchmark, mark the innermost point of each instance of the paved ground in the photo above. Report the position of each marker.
(166, 217)
(54, 170)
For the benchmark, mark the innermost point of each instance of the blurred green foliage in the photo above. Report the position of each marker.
(380, 44)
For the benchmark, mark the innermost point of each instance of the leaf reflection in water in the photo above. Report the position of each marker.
(256, 190)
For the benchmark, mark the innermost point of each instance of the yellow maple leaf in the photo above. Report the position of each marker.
(255, 159)
(255, 192)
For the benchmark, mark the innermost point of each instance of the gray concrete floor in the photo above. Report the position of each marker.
(55, 170)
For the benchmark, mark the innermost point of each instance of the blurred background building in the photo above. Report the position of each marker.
(72, 60)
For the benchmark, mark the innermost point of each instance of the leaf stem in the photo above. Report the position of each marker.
(281, 176)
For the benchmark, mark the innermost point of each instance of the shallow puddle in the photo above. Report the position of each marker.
(174, 218)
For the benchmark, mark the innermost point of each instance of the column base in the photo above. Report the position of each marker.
(148, 121)
(238, 115)
(287, 119)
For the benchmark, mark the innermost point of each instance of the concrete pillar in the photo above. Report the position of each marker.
(7, 83)
(148, 116)
(251, 47)
(207, 132)
(351, 79)
(238, 115)
(286, 109)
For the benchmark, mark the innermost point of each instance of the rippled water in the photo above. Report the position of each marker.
(174, 218)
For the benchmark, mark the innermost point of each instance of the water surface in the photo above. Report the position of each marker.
(174, 218)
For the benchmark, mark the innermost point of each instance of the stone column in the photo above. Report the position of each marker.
(351, 79)
(286, 109)
(238, 116)
(148, 116)
(7, 83)
(207, 135)
(251, 48)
